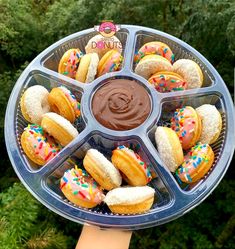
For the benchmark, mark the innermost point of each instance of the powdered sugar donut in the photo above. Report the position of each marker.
(34, 103)
(101, 169)
(59, 127)
(169, 147)
(130, 200)
(211, 123)
(190, 71)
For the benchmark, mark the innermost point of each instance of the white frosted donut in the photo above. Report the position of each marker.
(211, 123)
(130, 200)
(34, 103)
(102, 170)
(190, 71)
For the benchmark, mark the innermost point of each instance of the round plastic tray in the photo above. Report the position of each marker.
(172, 199)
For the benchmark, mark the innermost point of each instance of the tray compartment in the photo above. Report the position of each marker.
(105, 146)
(38, 78)
(168, 108)
(179, 51)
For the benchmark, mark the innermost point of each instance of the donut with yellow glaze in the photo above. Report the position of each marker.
(136, 172)
(64, 103)
(110, 62)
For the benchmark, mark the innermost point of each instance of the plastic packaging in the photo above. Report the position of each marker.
(172, 199)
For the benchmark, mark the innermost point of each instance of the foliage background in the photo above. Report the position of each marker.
(29, 26)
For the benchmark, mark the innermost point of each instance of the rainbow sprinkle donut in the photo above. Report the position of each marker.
(80, 188)
(38, 145)
(197, 163)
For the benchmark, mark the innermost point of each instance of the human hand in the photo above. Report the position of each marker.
(93, 237)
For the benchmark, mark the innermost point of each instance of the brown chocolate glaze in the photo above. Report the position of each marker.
(121, 104)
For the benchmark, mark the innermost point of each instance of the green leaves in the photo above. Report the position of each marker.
(19, 224)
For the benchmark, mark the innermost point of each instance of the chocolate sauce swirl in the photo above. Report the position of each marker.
(121, 104)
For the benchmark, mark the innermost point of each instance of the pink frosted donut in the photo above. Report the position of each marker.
(80, 188)
(155, 47)
(38, 145)
(167, 82)
(187, 124)
(197, 162)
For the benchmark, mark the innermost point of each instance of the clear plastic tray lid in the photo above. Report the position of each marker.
(172, 199)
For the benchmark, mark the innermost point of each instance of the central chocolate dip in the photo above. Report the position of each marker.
(121, 104)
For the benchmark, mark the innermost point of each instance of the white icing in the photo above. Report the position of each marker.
(64, 123)
(189, 70)
(165, 149)
(211, 122)
(105, 165)
(92, 69)
(36, 103)
(129, 195)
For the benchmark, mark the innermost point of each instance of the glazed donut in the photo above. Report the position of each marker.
(34, 103)
(59, 128)
(81, 189)
(37, 145)
(167, 82)
(197, 163)
(169, 147)
(101, 45)
(190, 71)
(211, 123)
(102, 170)
(151, 64)
(135, 170)
(155, 47)
(69, 62)
(110, 62)
(64, 103)
(130, 200)
(87, 68)
(187, 124)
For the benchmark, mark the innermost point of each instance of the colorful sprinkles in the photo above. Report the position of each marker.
(72, 99)
(71, 65)
(81, 184)
(167, 82)
(43, 145)
(157, 48)
(183, 123)
(193, 160)
(143, 165)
